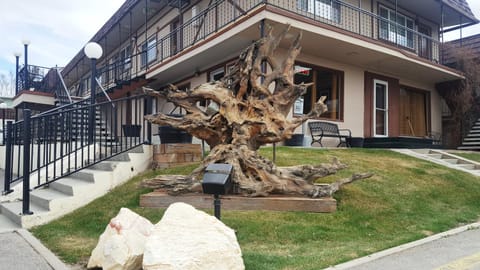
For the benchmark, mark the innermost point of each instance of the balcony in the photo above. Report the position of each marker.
(337, 16)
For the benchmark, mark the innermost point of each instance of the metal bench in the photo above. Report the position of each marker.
(320, 130)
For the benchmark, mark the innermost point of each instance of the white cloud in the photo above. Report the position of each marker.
(57, 29)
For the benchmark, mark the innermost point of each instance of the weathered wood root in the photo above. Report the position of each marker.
(253, 175)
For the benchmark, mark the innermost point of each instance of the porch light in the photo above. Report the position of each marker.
(93, 50)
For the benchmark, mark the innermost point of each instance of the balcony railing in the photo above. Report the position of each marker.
(222, 13)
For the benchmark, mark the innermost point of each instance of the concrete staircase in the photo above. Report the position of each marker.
(472, 140)
(72, 192)
(443, 158)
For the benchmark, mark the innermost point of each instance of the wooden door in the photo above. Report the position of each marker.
(413, 113)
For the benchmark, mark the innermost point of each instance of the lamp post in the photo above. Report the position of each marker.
(17, 60)
(93, 51)
(26, 42)
(3, 106)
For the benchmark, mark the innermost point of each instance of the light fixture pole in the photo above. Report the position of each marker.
(17, 60)
(26, 42)
(3, 106)
(93, 51)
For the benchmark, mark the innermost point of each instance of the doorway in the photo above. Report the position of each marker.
(413, 113)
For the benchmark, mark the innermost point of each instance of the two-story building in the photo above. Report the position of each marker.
(377, 61)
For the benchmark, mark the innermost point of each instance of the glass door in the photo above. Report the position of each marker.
(380, 101)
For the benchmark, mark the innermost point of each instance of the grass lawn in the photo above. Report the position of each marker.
(471, 156)
(405, 200)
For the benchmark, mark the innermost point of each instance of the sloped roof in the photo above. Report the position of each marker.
(470, 45)
(461, 6)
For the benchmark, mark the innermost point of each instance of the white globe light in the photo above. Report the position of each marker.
(26, 41)
(3, 105)
(17, 54)
(92, 50)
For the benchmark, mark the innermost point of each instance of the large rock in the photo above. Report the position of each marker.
(122, 243)
(189, 239)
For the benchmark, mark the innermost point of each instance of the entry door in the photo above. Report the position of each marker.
(424, 43)
(413, 113)
(380, 101)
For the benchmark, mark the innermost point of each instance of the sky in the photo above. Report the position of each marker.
(58, 29)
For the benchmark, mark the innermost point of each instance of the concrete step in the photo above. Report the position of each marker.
(472, 139)
(468, 148)
(450, 160)
(105, 165)
(436, 156)
(470, 143)
(13, 211)
(86, 175)
(71, 186)
(46, 197)
(7, 225)
(467, 166)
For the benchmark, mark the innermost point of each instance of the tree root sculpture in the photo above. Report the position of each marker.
(253, 108)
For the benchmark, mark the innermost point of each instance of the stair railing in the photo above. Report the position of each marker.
(43, 148)
(63, 84)
(104, 92)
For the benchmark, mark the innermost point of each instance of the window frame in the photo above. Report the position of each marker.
(386, 109)
(318, 8)
(149, 48)
(393, 28)
(313, 99)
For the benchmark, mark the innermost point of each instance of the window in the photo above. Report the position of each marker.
(399, 30)
(326, 82)
(149, 51)
(125, 55)
(328, 9)
(380, 101)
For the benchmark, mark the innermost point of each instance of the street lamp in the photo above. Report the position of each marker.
(3, 106)
(26, 42)
(93, 51)
(17, 58)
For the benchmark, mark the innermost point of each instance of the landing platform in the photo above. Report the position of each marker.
(160, 199)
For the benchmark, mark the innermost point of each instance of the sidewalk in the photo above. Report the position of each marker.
(21, 251)
(455, 249)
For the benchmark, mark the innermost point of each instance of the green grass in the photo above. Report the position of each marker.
(405, 200)
(470, 156)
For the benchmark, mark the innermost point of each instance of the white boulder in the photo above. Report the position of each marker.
(188, 239)
(122, 243)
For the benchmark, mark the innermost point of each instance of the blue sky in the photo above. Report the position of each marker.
(58, 29)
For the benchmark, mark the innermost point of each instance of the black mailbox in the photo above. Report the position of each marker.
(217, 179)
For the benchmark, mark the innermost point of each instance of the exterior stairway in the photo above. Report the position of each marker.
(444, 158)
(472, 140)
(72, 192)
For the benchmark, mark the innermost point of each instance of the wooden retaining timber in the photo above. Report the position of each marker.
(175, 154)
(160, 199)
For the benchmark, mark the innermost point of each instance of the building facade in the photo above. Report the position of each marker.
(377, 61)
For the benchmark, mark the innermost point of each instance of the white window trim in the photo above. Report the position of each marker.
(375, 82)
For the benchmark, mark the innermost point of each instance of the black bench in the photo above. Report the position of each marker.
(320, 130)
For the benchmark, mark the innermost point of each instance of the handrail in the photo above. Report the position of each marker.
(63, 84)
(59, 145)
(104, 92)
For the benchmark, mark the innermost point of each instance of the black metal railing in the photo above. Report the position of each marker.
(43, 79)
(53, 145)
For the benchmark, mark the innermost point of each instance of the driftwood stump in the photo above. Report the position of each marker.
(253, 108)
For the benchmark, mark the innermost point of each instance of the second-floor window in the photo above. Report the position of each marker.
(399, 30)
(125, 55)
(327, 9)
(149, 51)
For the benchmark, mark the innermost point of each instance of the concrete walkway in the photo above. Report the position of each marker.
(452, 250)
(21, 251)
